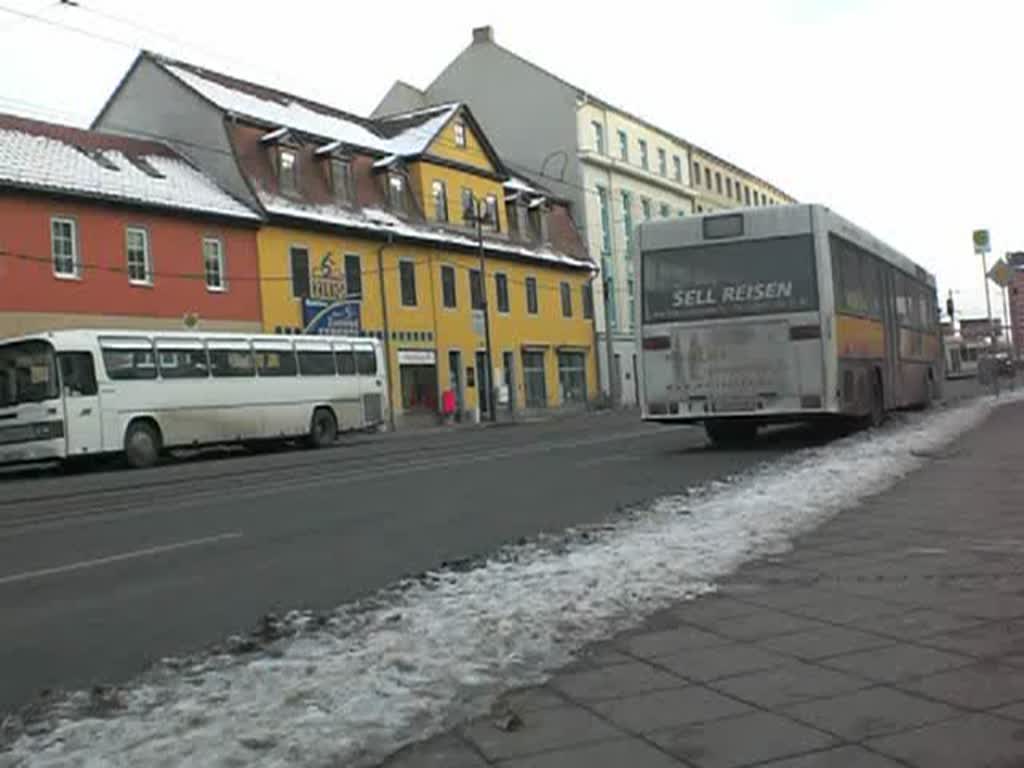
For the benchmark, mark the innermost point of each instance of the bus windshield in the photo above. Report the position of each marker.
(749, 277)
(28, 373)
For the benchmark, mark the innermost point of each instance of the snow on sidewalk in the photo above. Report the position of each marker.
(433, 651)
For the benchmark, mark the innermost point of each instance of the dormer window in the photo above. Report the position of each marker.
(341, 179)
(287, 171)
(460, 133)
(396, 191)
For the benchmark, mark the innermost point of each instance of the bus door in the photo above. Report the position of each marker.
(891, 381)
(83, 430)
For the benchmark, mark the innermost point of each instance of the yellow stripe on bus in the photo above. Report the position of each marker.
(860, 337)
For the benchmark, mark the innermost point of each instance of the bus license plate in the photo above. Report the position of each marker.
(725, 404)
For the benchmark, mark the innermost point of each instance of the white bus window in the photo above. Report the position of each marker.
(182, 362)
(232, 363)
(276, 362)
(316, 363)
(346, 362)
(366, 362)
(128, 359)
(77, 374)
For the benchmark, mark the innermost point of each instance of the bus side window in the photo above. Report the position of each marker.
(77, 373)
(346, 362)
(366, 362)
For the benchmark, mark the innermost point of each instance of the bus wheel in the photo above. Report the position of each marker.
(730, 434)
(877, 414)
(142, 444)
(324, 429)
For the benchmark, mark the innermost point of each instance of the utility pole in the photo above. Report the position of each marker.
(387, 333)
(479, 214)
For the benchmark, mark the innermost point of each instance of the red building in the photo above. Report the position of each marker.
(106, 231)
(1016, 299)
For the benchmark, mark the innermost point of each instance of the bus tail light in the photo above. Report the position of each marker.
(801, 332)
(657, 342)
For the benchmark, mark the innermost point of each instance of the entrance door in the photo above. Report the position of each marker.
(82, 424)
(483, 384)
(507, 361)
(455, 380)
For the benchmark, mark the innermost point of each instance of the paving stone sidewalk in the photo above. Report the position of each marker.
(891, 636)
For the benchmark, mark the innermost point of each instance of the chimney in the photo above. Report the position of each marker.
(483, 34)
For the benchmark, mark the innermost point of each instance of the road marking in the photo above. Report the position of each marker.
(14, 578)
(586, 463)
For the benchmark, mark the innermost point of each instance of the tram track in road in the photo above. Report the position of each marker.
(119, 503)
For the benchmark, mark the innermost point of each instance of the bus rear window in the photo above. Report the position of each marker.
(749, 277)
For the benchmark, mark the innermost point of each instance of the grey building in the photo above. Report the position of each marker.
(615, 168)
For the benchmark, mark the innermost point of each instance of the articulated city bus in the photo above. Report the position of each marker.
(779, 314)
(68, 394)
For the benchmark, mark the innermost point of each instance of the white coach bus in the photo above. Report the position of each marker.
(68, 394)
(780, 314)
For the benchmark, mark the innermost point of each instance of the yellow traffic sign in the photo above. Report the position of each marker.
(1001, 274)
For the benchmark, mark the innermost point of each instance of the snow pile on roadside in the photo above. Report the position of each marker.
(437, 649)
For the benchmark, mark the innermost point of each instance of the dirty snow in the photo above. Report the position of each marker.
(31, 160)
(415, 659)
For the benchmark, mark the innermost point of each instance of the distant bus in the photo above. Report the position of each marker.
(962, 357)
(68, 394)
(780, 314)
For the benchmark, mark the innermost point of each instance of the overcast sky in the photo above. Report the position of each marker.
(903, 115)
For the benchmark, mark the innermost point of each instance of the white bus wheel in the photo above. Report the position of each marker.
(142, 444)
(324, 428)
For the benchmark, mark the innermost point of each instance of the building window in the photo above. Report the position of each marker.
(643, 154)
(718, 182)
(300, 271)
(677, 167)
(757, 197)
(491, 213)
(532, 307)
(746, 194)
(213, 264)
(645, 207)
(534, 379)
(566, 291)
(623, 146)
(606, 223)
(681, 213)
(572, 377)
(587, 295)
(287, 171)
(728, 187)
(501, 291)
(341, 179)
(627, 220)
(440, 195)
(407, 278)
(632, 303)
(476, 292)
(609, 291)
(353, 276)
(396, 192)
(707, 178)
(137, 250)
(739, 191)
(448, 294)
(665, 212)
(696, 173)
(460, 133)
(64, 248)
(598, 137)
(468, 206)
(662, 162)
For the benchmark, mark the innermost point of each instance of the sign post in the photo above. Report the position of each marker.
(982, 245)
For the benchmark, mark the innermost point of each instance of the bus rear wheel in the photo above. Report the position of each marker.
(730, 434)
(142, 445)
(323, 430)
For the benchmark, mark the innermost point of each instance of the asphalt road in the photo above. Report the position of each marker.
(103, 572)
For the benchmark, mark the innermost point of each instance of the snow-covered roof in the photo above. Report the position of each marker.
(281, 109)
(380, 221)
(43, 156)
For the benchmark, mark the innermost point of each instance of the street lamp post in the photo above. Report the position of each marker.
(480, 214)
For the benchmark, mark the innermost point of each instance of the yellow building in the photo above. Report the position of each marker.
(370, 228)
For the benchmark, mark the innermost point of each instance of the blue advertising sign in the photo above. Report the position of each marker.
(327, 318)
